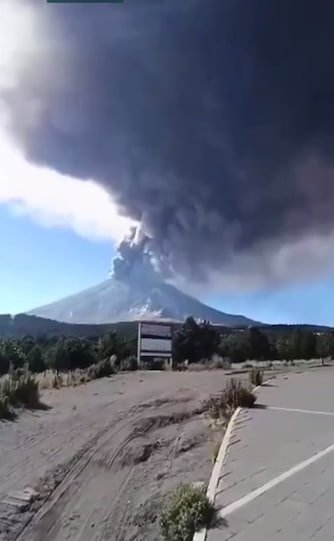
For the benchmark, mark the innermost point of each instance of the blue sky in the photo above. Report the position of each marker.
(40, 264)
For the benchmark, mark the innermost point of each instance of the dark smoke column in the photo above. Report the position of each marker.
(210, 121)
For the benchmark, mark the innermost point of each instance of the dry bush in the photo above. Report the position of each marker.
(129, 364)
(217, 363)
(58, 381)
(5, 408)
(238, 395)
(248, 364)
(18, 388)
(222, 405)
(215, 450)
(256, 377)
(198, 367)
(104, 368)
(25, 390)
(186, 511)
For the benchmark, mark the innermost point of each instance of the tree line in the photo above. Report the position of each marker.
(63, 353)
(192, 341)
(199, 341)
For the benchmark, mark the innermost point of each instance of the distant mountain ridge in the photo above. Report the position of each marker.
(129, 300)
(22, 325)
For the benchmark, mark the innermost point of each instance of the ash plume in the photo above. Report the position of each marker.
(211, 123)
(133, 260)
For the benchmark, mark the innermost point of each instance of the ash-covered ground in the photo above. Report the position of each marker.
(105, 455)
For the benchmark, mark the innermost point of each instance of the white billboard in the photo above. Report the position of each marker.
(154, 340)
(148, 329)
(155, 344)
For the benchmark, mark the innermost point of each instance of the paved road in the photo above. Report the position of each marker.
(277, 481)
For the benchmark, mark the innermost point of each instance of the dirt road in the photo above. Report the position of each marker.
(104, 455)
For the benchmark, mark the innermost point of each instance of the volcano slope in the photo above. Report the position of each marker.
(131, 299)
(105, 454)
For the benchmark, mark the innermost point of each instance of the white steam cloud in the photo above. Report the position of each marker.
(46, 196)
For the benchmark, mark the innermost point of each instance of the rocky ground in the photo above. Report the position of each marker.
(104, 455)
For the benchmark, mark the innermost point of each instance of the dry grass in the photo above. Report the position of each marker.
(215, 449)
(222, 405)
(256, 377)
(18, 389)
(53, 380)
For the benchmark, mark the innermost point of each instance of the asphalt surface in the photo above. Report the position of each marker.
(277, 480)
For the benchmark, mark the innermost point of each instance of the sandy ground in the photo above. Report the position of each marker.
(104, 455)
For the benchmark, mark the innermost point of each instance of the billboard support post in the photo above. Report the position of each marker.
(139, 343)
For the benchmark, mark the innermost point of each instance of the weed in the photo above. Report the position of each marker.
(238, 395)
(187, 510)
(256, 377)
(58, 381)
(222, 405)
(215, 450)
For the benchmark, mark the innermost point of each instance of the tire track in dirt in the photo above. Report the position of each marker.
(122, 457)
(100, 466)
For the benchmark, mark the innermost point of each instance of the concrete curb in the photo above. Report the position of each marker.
(216, 471)
(218, 465)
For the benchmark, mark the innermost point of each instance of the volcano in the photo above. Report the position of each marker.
(135, 290)
(128, 300)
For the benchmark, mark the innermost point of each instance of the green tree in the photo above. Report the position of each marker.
(257, 344)
(283, 348)
(56, 357)
(112, 344)
(35, 359)
(4, 362)
(12, 351)
(325, 346)
(195, 342)
(234, 345)
(308, 345)
(27, 344)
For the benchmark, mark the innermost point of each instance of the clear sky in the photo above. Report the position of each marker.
(58, 232)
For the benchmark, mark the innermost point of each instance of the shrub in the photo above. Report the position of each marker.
(5, 409)
(236, 394)
(58, 381)
(91, 371)
(218, 409)
(154, 364)
(104, 368)
(186, 511)
(26, 391)
(217, 363)
(19, 388)
(129, 364)
(256, 377)
(248, 365)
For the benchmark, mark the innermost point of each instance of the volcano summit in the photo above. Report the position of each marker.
(135, 290)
